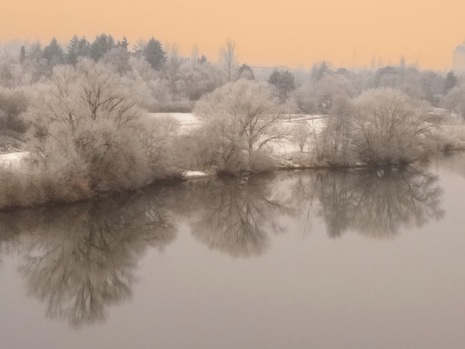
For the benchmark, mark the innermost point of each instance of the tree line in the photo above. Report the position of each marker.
(85, 126)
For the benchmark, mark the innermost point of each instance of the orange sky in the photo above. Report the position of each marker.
(267, 32)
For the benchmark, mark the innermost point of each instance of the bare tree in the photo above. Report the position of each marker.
(228, 60)
(389, 128)
(241, 121)
(87, 132)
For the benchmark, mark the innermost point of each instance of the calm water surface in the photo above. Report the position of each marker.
(344, 259)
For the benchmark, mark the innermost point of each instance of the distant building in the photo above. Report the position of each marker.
(458, 64)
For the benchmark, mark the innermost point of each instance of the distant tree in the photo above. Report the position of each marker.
(171, 72)
(198, 78)
(432, 85)
(154, 54)
(101, 45)
(83, 48)
(72, 54)
(450, 82)
(123, 44)
(328, 89)
(22, 54)
(319, 71)
(387, 77)
(246, 72)
(228, 60)
(35, 51)
(53, 54)
(77, 48)
(12, 104)
(118, 57)
(454, 100)
(284, 83)
(203, 59)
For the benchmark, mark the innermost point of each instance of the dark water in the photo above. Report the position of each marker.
(344, 259)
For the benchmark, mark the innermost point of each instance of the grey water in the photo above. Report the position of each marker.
(314, 259)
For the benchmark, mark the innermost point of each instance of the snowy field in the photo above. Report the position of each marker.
(189, 121)
(11, 160)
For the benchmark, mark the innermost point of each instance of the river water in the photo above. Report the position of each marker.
(308, 259)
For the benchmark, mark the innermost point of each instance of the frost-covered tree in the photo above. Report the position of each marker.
(86, 130)
(198, 78)
(118, 57)
(454, 100)
(450, 82)
(246, 72)
(171, 73)
(240, 122)
(284, 82)
(389, 128)
(12, 128)
(22, 55)
(228, 60)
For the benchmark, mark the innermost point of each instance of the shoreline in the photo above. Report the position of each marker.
(197, 175)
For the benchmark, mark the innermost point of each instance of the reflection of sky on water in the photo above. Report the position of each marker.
(100, 260)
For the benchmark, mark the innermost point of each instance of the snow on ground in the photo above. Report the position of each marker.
(187, 121)
(282, 148)
(11, 159)
(194, 174)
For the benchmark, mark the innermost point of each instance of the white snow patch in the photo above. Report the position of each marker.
(12, 159)
(187, 121)
(183, 118)
(195, 174)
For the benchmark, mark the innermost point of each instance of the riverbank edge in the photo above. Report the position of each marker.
(197, 175)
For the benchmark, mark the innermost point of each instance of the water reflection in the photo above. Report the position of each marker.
(80, 259)
(378, 204)
(236, 216)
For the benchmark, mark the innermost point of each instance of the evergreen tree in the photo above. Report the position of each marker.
(83, 48)
(154, 54)
(103, 43)
(284, 83)
(319, 71)
(450, 82)
(72, 55)
(245, 72)
(203, 59)
(22, 54)
(53, 54)
(123, 44)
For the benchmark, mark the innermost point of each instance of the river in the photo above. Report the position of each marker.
(314, 259)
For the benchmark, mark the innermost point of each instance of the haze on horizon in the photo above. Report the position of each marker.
(292, 32)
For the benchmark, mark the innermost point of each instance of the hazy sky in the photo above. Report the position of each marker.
(267, 32)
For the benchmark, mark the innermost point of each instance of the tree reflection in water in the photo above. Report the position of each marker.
(238, 214)
(380, 203)
(80, 259)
